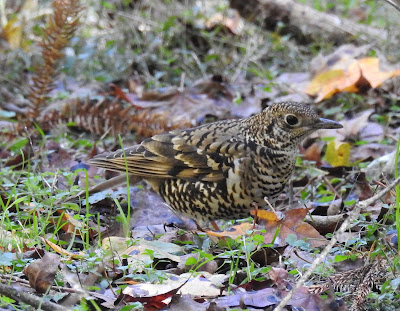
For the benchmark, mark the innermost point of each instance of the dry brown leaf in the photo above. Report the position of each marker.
(328, 83)
(41, 273)
(359, 73)
(62, 251)
(233, 23)
(234, 232)
(371, 72)
(312, 153)
(291, 223)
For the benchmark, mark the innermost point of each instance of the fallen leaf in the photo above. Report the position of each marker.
(312, 153)
(364, 72)
(233, 23)
(138, 254)
(234, 232)
(61, 251)
(41, 272)
(204, 285)
(302, 299)
(338, 155)
(371, 72)
(291, 223)
(187, 303)
(328, 83)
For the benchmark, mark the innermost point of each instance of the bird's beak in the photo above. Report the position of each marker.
(326, 124)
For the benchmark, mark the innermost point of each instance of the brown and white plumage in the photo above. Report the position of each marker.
(215, 171)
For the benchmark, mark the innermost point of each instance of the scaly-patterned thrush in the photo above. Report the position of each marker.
(217, 170)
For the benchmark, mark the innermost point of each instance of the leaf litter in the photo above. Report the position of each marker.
(251, 265)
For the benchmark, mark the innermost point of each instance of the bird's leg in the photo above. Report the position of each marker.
(255, 219)
(214, 225)
(198, 227)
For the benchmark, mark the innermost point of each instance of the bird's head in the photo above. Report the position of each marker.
(285, 125)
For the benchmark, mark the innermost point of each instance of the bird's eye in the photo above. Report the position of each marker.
(291, 119)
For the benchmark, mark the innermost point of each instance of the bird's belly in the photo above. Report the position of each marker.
(205, 200)
(230, 198)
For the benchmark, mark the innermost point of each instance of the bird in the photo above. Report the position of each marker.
(219, 170)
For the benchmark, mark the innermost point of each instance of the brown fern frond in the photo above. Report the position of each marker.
(146, 123)
(358, 282)
(61, 27)
(377, 272)
(103, 116)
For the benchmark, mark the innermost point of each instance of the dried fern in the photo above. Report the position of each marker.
(61, 27)
(358, 282)
(103, 116)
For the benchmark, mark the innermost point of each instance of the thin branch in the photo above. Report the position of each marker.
(393, 4)
(30, 299)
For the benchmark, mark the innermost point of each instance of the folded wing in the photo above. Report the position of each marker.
(188, 154)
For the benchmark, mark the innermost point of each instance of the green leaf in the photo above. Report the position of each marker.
(291, 239)
(339, 258)
(326, 199)
(19, 144)
(258, 238)
(7, 300)
(190, 261)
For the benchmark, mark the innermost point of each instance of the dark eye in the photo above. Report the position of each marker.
(291, 119)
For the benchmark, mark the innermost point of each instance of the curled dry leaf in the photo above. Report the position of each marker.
(234, 232)
(61, 251)
(41, 273)
(312, 153)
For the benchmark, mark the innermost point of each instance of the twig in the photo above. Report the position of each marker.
(352, 216)
(23, 282)
(393, 4)
(30, 299)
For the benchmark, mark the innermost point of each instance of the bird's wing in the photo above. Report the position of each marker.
(189, 154)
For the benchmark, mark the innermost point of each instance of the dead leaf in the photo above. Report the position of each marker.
(266, 297)
(234, 232)
(233, 23)
(41, 272)
(371, 72)
(61, 251)
(364, 72)
(279, 277)
(291, 223)
(312, 153)
(204, 285)
(12, 32)
(338, 154)
(328, 83)
(340, 58)
(187, 303)
(138, 253)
